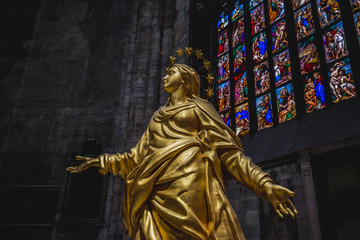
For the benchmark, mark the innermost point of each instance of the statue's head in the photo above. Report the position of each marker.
(188, 77)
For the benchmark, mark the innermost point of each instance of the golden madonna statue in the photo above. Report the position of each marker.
(174, 175)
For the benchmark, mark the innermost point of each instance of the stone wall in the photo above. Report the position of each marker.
(91, 70)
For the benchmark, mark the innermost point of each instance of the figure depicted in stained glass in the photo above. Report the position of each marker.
(224, 68)
(242, 120)
(238, 11)
(334, 43)
(298, 3)
(238, 32)
(224, 96)
(355, 4)
(357, 24)
(341, 81)
(264, 111)
(282, 68)
(257, 19)
(304, 22)
(314, 92)
(279, 36)
(241, 88)
(239, 59)
(223, 21)
(276, 10)
(226, 117)
(261, 78)
(254, 3)
(259, 47)
(329, 11)
(309, 57)
(223, 42)
(286, 103)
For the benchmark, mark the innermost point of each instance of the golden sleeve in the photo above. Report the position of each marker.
(122, 164)
(229, 150)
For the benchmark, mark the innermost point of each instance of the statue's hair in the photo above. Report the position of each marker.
(191, 79)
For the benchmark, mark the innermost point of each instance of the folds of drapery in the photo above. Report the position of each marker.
(215, 146)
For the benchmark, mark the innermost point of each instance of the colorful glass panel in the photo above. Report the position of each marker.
(261, 78)
(224, 96)
(241, 88)
(357, 24)
(355, 4)
(304, 22)
(242, 120)
(264, 111)
(223, 21)
(223, 42)
(279, 36)
(314, 93)
(238, 35)
(308, 55)
(329, 11)
(341, 80)
(257, 19)
(239, 54)
(224, 68)
(276, 10)
(334, 42)
(238, 11)
(285, 103)
(254, 3)
(298, 3)
(282, 68)
(259, 47)
(226, 118)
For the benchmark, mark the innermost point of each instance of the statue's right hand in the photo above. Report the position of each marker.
(87, 163)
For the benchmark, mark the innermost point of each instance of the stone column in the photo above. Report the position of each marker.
(310, 199)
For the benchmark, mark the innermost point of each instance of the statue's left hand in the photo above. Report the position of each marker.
(87, 163)
(278, 197)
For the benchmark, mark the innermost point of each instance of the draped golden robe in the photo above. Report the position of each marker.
(174, 179)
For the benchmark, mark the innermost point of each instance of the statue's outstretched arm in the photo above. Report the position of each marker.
(117, 164)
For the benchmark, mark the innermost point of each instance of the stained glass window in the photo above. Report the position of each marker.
(259, 47)
(357, 25)
(334, 42)
(242, 119)
(329, 11)
(226, 117)
(223, 21)
(282, 68)
(257, 19)
(341, 80)
(276, 10)
(308, 55)
(304, 22)
(241, 88)
(254, 3)
(297, 3)
(264, 111)
(279, 36)
(262, 78)
(224, 96)
(314, 92)
(285, 102)
(238, 35)
(224, 68)
(355, 4)
(268, 61)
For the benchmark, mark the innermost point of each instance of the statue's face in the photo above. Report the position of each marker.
(172, 80)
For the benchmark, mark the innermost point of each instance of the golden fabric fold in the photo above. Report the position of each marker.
(174, 180)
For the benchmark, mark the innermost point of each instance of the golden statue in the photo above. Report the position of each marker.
(173, 176)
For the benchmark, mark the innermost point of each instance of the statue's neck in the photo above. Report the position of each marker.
(178, 96)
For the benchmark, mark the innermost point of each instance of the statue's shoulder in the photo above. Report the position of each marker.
(206, 107)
